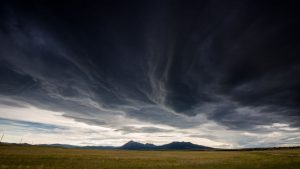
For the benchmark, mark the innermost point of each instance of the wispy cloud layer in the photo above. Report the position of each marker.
(212, 72)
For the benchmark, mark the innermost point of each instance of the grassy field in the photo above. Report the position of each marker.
(35, 157)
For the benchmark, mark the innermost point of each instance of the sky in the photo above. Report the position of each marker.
(217, 73)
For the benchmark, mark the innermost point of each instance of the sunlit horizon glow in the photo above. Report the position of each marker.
(40, 126)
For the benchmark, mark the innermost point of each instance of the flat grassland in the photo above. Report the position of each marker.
(37, 157)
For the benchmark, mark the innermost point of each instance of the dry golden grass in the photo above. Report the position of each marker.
(36, 157)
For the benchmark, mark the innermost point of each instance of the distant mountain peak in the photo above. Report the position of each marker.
(133, 145)
(131, 142)
(176, 145)
(183, 146)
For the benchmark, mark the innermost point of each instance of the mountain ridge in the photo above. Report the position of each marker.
(133, 145)
(176, 145)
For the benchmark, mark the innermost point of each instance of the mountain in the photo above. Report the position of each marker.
(183, 146)
(132, 145)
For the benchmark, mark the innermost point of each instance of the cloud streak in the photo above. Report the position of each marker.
(145, 68)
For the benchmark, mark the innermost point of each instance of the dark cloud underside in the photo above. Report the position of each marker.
(163, 62)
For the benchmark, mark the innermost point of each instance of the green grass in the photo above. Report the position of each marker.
(35, 157)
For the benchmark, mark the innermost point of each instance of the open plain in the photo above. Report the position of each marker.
(39, 157)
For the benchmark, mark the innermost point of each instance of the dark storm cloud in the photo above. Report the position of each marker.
(162, 62)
